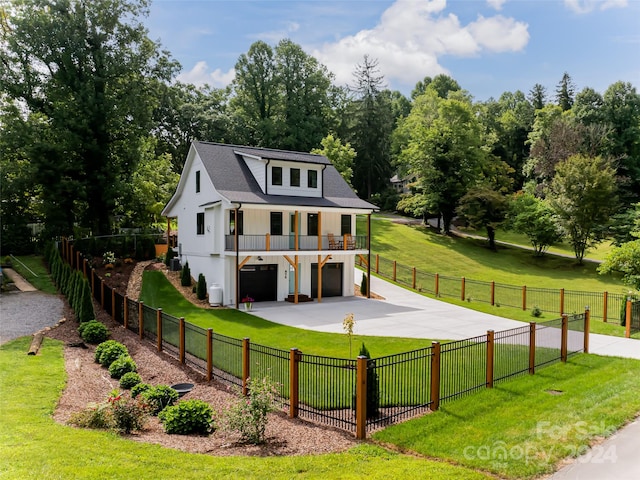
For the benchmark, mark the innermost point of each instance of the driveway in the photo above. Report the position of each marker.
(24, 313)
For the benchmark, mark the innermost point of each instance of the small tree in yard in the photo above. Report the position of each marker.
(482, 207)
(185, 279)
(364, 284)
(535, 218)
(201, 289)
(85, 311)
(347, 324)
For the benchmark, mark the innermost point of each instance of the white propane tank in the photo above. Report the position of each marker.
(215, 295)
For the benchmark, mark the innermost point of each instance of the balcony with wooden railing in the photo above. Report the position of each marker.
(293, 243)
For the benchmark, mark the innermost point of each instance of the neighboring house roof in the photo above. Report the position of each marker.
(232, 178)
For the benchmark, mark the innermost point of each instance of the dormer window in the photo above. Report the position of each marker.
(295, 177)
(312, 178)
(276, 175)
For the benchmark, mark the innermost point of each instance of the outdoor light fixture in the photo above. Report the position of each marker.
(259, 259)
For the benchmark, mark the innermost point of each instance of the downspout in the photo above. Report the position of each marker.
(322, 177)
(235, 241)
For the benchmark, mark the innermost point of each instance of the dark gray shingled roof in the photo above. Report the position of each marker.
(232, 177)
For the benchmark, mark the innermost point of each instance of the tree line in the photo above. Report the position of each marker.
(95, 130)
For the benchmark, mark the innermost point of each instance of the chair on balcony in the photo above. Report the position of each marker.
(333, 243)
(350, 242)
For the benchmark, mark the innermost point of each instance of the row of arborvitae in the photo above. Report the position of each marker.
(128, 411)
(71, 284)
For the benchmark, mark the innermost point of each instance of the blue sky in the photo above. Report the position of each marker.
(488, 46)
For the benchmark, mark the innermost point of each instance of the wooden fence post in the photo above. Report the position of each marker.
(71, 255)
(563, 338)
(126, 312)
(605, 306)
(562, 301)
(524, 298)
(413, 283)
(102, 294)
(490, 357)
(159, 328)
(627, 318)
(246, 372)
(209, 353)
(361, 397)
(182, 342)
(113, 304)
(462, 288)
(294, 383)
(435, 376)
(493, 293)
(377, 263)
(93, 283)
(394, 270)
(141, 320)
(532, 348)
(77, 259)
(587, 327)
(437, 280)
(84, 267)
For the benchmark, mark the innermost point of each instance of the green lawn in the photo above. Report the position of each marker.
(35, 447)
(522, 428)
(35, 265)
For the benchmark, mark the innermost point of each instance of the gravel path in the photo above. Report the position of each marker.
(25, 313)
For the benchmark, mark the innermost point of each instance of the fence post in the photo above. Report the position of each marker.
(562, 301)
(245, 365)
(209, 353)
(435, 376)
(414, 278)
(377, 263)
(71, 256)
(126, 312)
(141, 320)
(490, 357)
(84, 267)
(394, 270)
(605, 306)
(462, 285)
(627, 318)
(361, 398)
(101, 294)
(437, 289)
(159, 329)
(493, 293)
(587, 327)
(532, 348)
(113, 304)
(77, 259)
(181, 334)
(294, 384)
(563, 338)
(93, 284)
(524, 297)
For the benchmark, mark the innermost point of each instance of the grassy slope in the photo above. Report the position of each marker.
(599, 394)
(159, 293)
(34, 447)
(458, 257)
(42, 279)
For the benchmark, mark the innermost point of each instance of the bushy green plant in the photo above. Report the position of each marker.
(248, 416)
(159, 397)
(185, 278)
(536, 311)
(201, 291)
(108, 352)
(130, 380)
(167, 258)
(95, 415)
(85, 312)
(364, 284)
(129, 414)
(93, 332)
(123, 364)
(188, 416)
(139, 388)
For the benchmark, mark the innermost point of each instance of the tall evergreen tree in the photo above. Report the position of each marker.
(565, 92)
(538, 96)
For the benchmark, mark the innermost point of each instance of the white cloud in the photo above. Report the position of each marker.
(588, 6)
(411, 36)
(496, 4)
(200, 75)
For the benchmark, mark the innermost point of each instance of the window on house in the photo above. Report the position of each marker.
(276, 175)
(345, 224)
(276, 223)
(197, 181)
(312, 224)
(295, 177)
(200, 223)
(233, 225)
(312, 178)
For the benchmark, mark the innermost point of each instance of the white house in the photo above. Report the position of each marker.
(258, 222)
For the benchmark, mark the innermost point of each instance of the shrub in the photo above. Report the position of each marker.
(249, 415)
(623, 309)
(108, 352)
(95, 415)
(85, 311)
(536, 311)
(201, 291)
(129, 414)
(364, 285)
(189, 416)
(159, 397)
(139, 388)
(170, 254)
(130, 380)
(93, 332)
(123, 364)
(185, 279)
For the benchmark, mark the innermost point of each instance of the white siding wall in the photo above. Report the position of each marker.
(286, 188)
(257, 168)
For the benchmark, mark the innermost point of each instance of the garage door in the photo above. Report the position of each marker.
(331, 280)
(259, 282)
